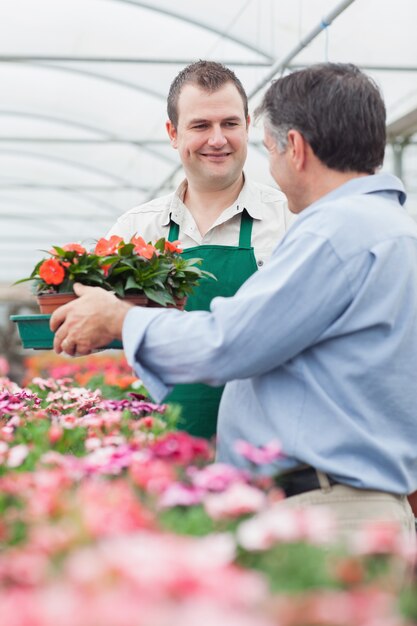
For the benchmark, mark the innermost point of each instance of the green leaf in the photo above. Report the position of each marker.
(132, 284)
(161, 297)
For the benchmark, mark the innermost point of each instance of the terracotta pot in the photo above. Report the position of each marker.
(48, 302)
(138, 300)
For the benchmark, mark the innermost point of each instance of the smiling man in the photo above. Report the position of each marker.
(219, 215)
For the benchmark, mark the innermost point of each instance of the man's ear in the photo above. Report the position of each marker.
(297, 146)
(172, 133)
(248, 120)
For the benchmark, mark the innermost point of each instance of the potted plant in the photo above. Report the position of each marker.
(152, 274)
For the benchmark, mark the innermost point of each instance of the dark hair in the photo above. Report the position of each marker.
(208, 75)
(338, 110)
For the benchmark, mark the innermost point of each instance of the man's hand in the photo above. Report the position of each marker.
(92, 321)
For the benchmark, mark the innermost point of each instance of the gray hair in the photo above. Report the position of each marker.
(278, 133)
(338, 110)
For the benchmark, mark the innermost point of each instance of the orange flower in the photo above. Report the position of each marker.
(105, 247)
(74, 247)
(173, 246)
(106, 269)
(52, 272)
(147, 250)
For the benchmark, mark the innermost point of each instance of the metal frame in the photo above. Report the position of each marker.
(111, 137)
(25, 58)
(190, 20)
(96, 75)
(74, 164)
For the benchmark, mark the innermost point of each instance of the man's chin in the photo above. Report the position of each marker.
(214, 177)
(218, 181)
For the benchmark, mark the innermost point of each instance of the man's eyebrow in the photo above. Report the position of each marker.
(197, 120)
(231, 118)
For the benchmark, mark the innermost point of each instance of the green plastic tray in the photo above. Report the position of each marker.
(35, 333)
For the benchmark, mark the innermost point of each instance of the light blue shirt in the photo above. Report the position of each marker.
(320, 346)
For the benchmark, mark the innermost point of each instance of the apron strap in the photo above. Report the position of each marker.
(174, 231)
(245, 236)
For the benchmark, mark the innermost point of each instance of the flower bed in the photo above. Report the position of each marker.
(110, 517)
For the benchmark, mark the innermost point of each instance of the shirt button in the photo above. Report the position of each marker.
(260, 263)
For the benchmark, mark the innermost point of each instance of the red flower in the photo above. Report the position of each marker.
(105, 247)
(52, 272)
(173, 246)
(74, 247)
(180, 447)
(147, 250)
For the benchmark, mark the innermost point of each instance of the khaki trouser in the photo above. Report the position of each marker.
(354, 507)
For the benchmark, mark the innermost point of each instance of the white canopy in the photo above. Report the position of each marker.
(84, 84)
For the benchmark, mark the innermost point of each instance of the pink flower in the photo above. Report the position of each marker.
(43, 383)
(17, 455)
(180, 447)
(92, 443)
(55, 433)
(362, 607)
(13, 402)
(4, 366)
(111, 508)
(153, 475)
(4, 448)
(262, 455)
(280, 523)
(178, 494)
(238, 499)
(381, 537)
(137, 405)
(108, 460)
(26, 566)
(216, 476)
(207, 613)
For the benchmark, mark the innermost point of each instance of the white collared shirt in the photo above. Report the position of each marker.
(266, 205)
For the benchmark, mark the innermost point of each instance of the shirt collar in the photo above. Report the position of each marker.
(175, 209)
(249, 198)
(366, 184)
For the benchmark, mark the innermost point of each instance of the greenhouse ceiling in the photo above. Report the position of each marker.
(84, 83)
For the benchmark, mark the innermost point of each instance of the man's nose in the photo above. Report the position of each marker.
(217, 138)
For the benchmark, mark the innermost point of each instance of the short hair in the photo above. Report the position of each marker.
(337, 108)
(209, 76)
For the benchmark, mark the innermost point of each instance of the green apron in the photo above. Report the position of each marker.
(232, 266)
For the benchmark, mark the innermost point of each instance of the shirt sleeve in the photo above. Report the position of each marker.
(275, 315)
